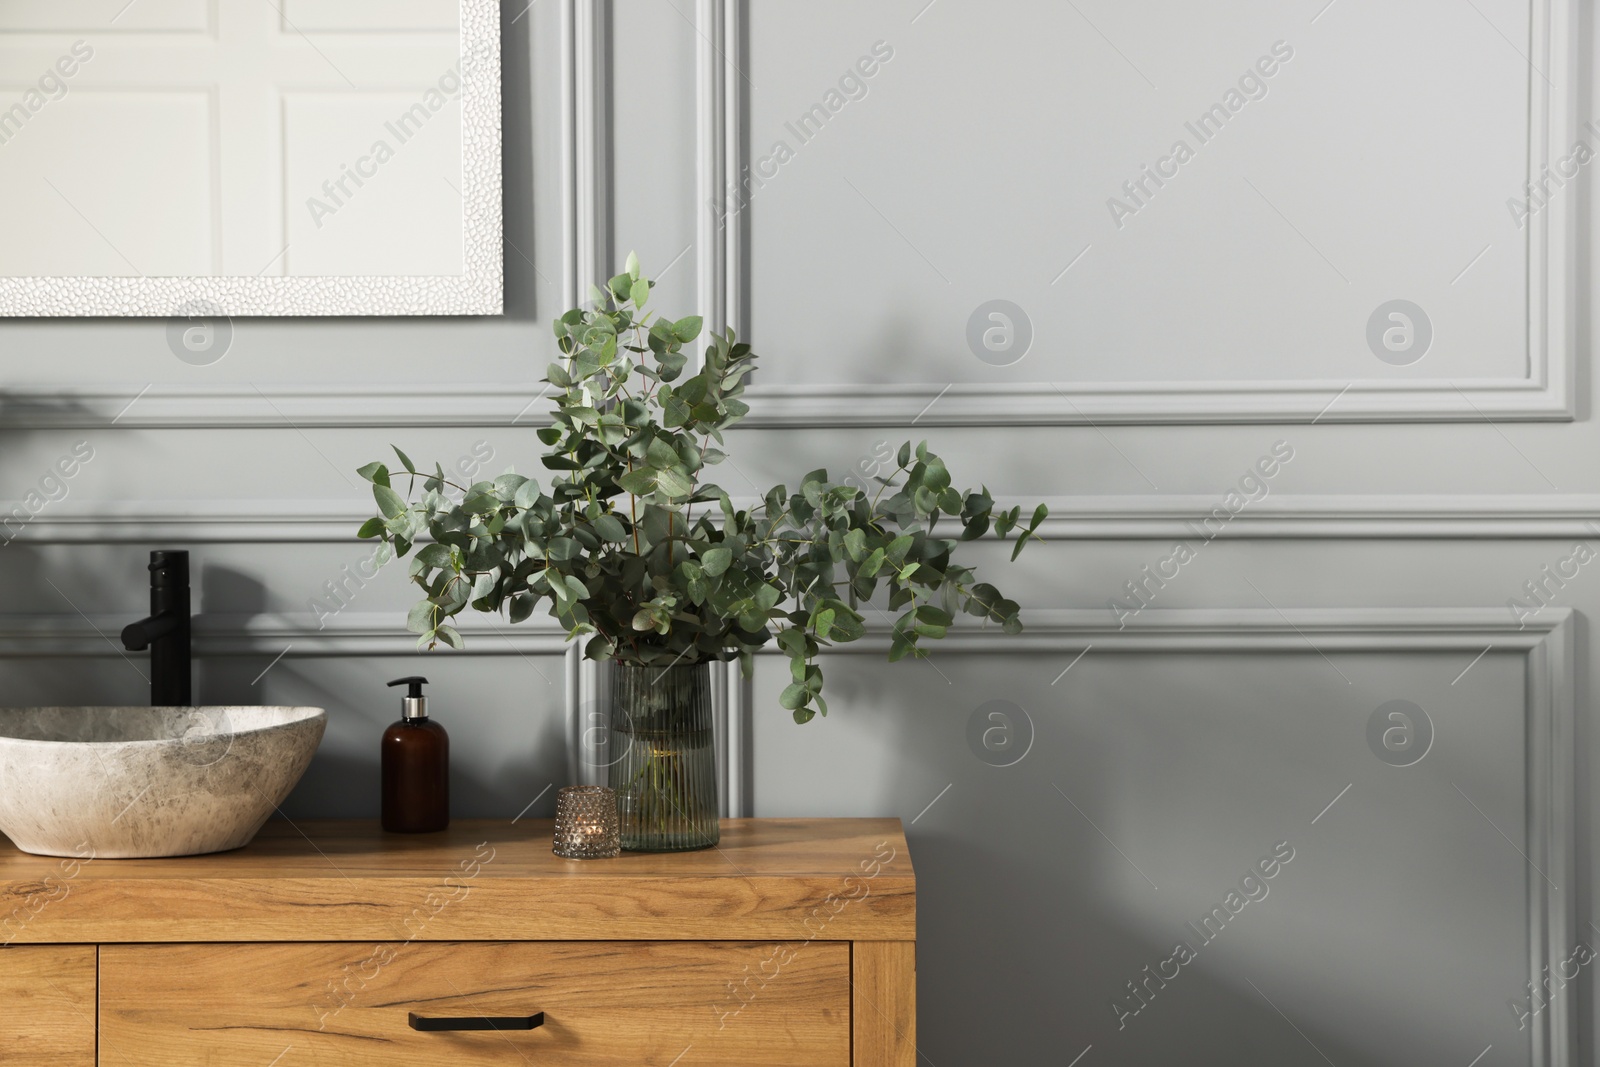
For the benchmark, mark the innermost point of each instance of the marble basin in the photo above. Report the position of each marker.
(126, 783)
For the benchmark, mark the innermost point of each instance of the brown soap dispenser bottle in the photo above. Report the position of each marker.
(416, 767)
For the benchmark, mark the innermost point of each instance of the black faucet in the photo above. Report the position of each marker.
(166, 632)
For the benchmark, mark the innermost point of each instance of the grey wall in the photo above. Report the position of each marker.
(1228, 313)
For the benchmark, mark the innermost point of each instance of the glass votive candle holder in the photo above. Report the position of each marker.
(586, 823)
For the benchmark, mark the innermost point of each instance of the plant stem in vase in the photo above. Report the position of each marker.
(665, 775)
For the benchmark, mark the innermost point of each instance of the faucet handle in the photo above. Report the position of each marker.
(169, 565)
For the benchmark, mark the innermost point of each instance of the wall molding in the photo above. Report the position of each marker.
(1072, 518)
(1547, 642)
(1331, 516)
(1546, 397)
(719, 160)
(1546, 393)
(585, 150)
(221, 407)
(340, 634)
(1550, 708)
(783, 407)
(586, 226)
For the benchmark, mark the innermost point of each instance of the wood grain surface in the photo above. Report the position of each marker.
(605, 1004)
(884, 995)
(47, 996)
(769, 879)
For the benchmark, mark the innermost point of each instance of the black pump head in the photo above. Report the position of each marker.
(416, 683)
(415, 705)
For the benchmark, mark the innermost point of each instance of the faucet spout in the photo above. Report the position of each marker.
(138, 636)
(166, 631)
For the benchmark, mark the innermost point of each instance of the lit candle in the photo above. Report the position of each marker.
(586, 822)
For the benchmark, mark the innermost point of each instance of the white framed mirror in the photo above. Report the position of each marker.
(250, 157)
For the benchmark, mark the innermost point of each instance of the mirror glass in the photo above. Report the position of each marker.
(240, 138)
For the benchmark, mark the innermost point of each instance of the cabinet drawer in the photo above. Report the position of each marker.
(603, 1003)
(47, 992)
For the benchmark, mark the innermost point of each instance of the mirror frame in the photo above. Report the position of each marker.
(479, 290)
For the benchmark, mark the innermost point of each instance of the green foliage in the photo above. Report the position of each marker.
(630, 544)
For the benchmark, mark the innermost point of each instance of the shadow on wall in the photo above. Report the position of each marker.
(46, 607)
(343, 780)
(40, 409)
(1017, 956)
(1033, 923)
(505, 748)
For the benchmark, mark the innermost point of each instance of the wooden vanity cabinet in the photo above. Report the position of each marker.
(792, 944)
(47, 1005)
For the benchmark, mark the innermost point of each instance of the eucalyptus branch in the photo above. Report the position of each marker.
(651, 586)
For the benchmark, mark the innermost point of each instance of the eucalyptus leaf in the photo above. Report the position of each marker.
(522, 607)
(638, 483)
(435, 555)
(660, 454)
(610, 528)
(716, 561)
(391, 503)
(420, 620)
(674, 482)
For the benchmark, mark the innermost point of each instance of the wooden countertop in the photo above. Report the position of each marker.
(481, 880)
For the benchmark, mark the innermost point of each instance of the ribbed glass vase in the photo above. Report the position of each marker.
(663, 765)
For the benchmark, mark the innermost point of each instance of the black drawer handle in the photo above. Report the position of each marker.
(477, 1022)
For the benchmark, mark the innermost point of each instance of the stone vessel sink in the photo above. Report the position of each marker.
(126, 783)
